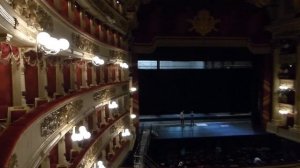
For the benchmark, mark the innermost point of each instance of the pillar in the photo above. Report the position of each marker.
(111, 147)
(102, 113)
(122, 74)
(42, 77)
(84, 76)
(61, 152)
(46, 162)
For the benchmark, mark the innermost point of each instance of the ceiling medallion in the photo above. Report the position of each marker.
(203, 23)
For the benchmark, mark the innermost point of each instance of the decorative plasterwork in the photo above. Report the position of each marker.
(84, 44)
(102, 95)
(91, 155)
(35, 16)
(60, 117)
(203, 23)
(13, 162)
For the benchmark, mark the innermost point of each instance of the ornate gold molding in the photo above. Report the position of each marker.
(35, 16)
(203, 23)
(60, 117)
(84, 44)
(102, 95)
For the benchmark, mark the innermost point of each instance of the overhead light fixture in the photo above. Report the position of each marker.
(50, 45)
(284, 111)
(97, 61)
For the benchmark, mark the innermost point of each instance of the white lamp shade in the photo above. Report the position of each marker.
(42, 38)
(63, 44)
(82, 129)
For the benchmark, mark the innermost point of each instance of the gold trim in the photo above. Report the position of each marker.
(203, 23)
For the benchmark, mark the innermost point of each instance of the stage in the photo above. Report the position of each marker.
(213, 125)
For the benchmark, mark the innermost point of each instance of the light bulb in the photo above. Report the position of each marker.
(82, 129)
(42, 38)
(63, 44)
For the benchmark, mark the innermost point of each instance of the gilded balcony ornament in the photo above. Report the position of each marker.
(101, 95)
(84, 44)
(203, 23)
(91, 156)
(34, 15)
(13, 162)
(60, 117)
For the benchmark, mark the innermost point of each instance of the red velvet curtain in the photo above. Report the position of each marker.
(67, 82)
(89, 74)
(68, 142)
(5, 86)
(106, 73)
(113, 72)
(79, 75)
(76, 19)
(31, 83)
(87, 21)
(104, 33)
(96, 31)
(54, 157)
(51, 78)
(64, 8)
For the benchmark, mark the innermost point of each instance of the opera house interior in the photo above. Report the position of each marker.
(149, 83)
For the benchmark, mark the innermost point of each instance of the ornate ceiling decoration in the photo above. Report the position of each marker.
(203, 23)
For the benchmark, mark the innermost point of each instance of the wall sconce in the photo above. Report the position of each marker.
(125, 133)
(113, 105)
(83, 134)
(284, 111)
(124, 65)
(132, 116)
(50, 45)
(97, 61)
(100, 164)
(133, 89)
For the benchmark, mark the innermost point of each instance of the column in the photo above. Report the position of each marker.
(18, 82)
(42, 77)
(84, 76)
(59, 78)
(61, 152)
(102, 112)
(276, 118)
(73, 77)
(118, 144)
(297, 89)
(46, 162)
(95, 121)
(122, 74)
(111, 147)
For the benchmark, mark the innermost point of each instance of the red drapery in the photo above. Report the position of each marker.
(66, 73)
(31, 82)
(64, 8)
(89, 74)
(98, 75)
(79, 74)
(54, 157)
(6, 85)
(51, 78)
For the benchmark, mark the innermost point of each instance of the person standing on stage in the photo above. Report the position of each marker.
(182, 118)
(192, 118)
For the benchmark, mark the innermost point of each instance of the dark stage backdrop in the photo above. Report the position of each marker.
(204, 91)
